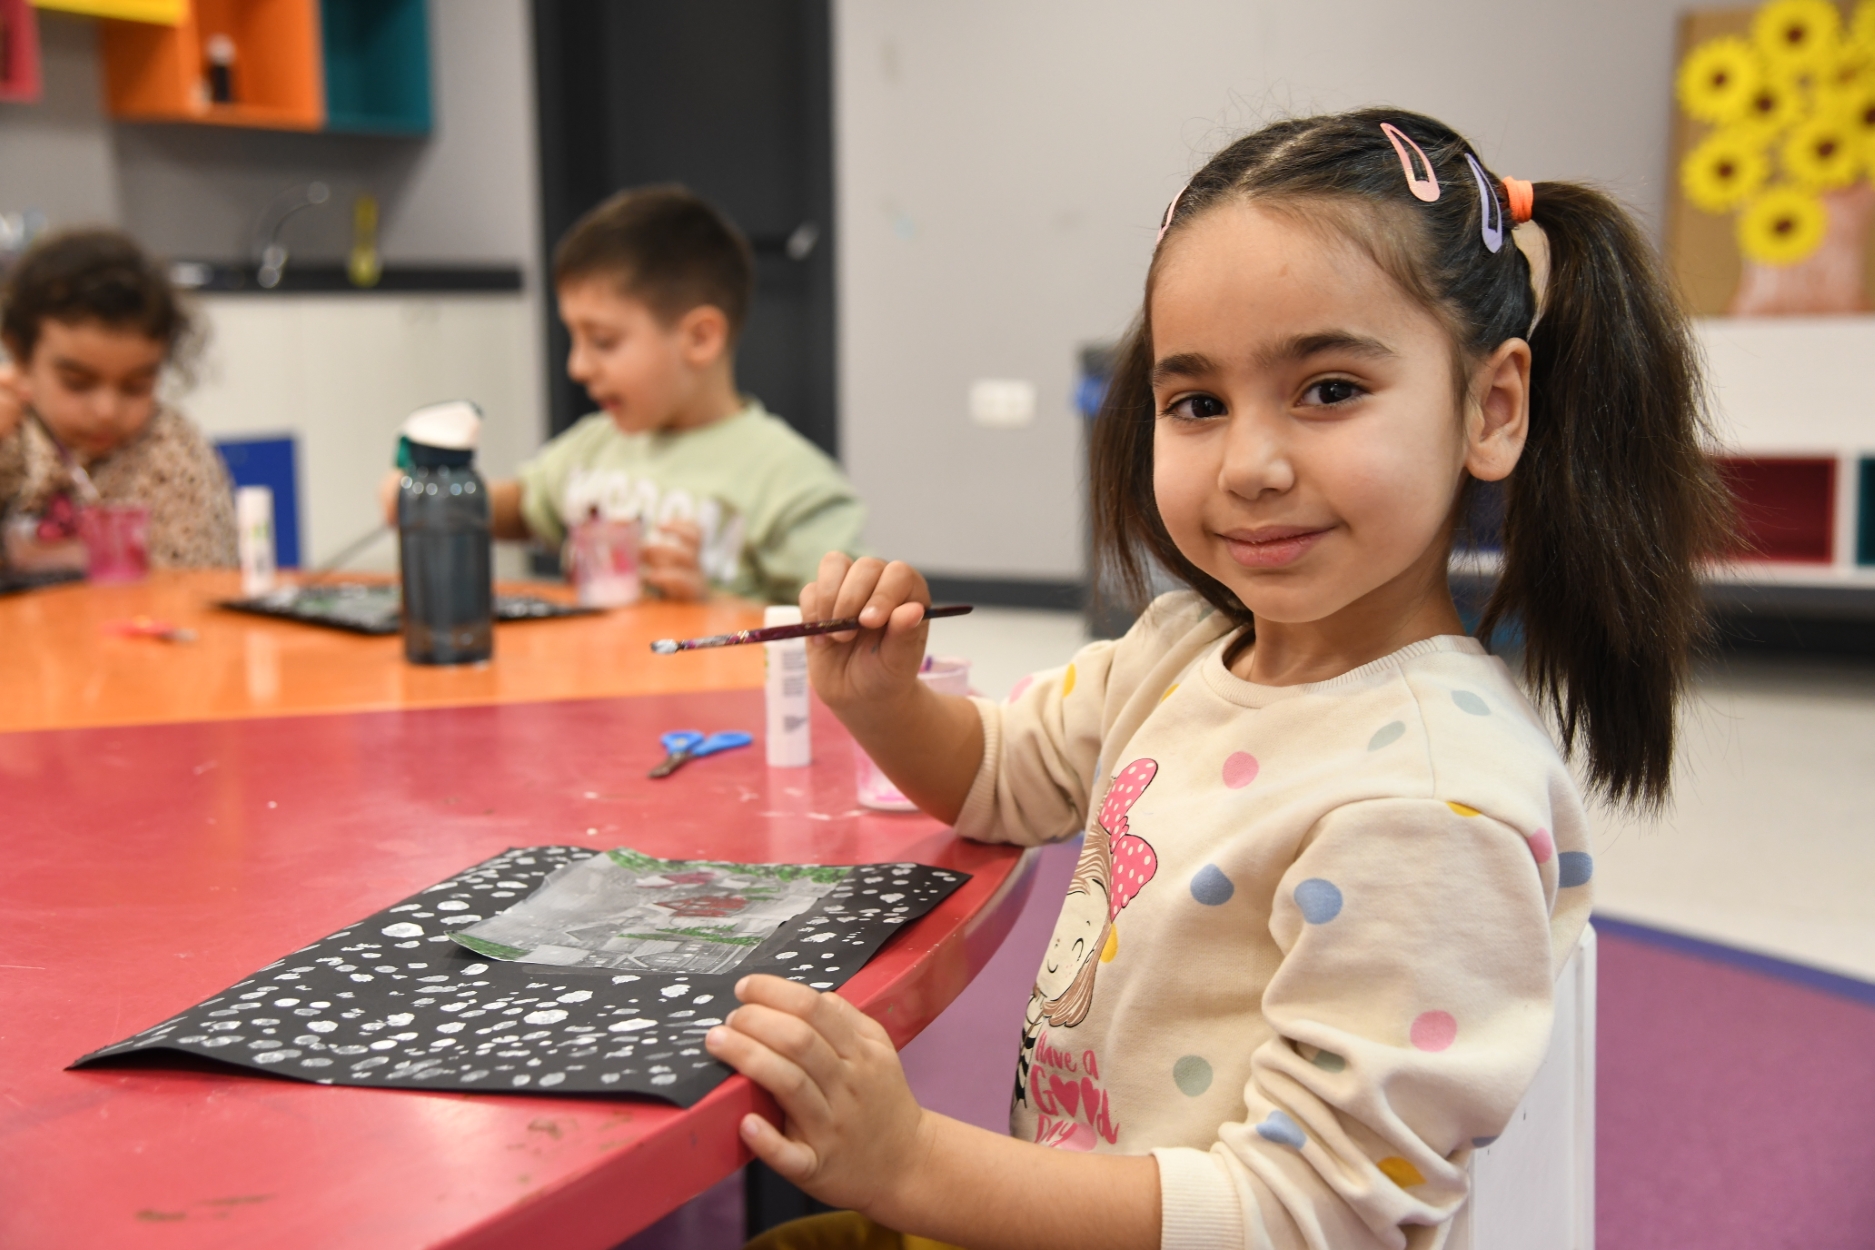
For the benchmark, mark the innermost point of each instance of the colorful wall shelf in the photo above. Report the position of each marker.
(356, 66)
(19, 53)
(163, 12)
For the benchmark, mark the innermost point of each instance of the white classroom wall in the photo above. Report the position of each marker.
(1003, 165)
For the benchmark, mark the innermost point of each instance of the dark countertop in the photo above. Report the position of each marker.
(316, 277)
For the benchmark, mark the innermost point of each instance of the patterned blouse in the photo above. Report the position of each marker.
(169, 468)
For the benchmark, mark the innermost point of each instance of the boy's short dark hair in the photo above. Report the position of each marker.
(666, 246)
(75, 276)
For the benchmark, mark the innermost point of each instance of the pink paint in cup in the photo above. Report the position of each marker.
(117, 541)
(603, 556)
(944, 674)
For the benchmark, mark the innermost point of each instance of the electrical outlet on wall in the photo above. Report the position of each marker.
(1002, 403)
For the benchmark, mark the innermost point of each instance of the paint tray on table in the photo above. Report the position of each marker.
(549, 969)
(376, 608)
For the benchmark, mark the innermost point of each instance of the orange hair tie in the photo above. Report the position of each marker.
(1522, 198)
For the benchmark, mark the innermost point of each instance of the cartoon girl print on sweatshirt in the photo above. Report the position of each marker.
(1115, 865)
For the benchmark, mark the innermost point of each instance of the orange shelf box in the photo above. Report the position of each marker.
(160, 73)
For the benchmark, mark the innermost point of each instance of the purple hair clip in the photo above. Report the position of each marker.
(1165, 223)
(1427, 188)
(1490, 212)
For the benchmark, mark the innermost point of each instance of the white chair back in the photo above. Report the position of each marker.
(1534, 1187)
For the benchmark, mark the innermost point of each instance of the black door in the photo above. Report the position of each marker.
(732, 98)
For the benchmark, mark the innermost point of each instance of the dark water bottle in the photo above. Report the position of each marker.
(448, 575)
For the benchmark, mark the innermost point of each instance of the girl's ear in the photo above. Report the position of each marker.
(1498, 420)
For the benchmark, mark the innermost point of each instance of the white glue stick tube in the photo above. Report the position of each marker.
(785, 666)
(253, 519)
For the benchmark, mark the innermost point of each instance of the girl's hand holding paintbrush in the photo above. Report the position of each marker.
(929, 744)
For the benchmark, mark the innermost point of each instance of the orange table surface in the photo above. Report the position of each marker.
(64, 665)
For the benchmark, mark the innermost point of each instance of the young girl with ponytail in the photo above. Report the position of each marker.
(1333, 859)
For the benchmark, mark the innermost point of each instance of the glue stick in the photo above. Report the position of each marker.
(254, 538)
(785, 666)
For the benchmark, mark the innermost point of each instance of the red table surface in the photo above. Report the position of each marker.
(147, 868)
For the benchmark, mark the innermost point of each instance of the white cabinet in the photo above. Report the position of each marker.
(1794, 399)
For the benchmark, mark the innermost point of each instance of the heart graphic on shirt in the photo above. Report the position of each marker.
(1133, 860)
(1067, 1093)
(1124, 792)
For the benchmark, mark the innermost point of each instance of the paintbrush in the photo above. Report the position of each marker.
(782, 633)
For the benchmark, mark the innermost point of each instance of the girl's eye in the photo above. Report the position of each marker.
(1196, 408)
(1332, 391)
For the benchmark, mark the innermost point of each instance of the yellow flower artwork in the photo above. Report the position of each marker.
(1725, 170)
(1797, 36)
(1823, 153)
(1782, 226)
(1718, 80)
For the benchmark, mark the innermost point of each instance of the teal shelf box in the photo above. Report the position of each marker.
(377, 62)
(1865, 512)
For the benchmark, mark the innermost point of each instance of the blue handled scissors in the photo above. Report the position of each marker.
(683, 745)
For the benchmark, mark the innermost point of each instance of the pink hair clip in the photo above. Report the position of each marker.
(1490, 214)
(1427, 188)
(1165, 223)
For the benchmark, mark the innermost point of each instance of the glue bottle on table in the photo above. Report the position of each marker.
(785, 666)
(443, 538)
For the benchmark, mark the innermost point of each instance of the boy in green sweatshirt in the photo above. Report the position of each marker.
(654, 285)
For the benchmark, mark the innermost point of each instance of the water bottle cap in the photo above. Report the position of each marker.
(455, 425)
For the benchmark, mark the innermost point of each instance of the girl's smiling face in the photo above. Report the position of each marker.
(1310, 442)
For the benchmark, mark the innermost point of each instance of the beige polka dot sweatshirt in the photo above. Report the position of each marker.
(1308, 952)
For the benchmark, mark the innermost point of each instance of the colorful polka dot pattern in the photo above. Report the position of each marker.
(1400, 1172)
(1469, 702)
(1462, 810)
(1434, 1031)
(1211, 887)
(1320, 900)
(1192, 1075)
(1574, 868)
(1329, 1061)
(1240, 769)
(1168, 692)
(1021, 687)
(1067, 682)
(1279, 1128)
(1542, 846)
(1387, 735)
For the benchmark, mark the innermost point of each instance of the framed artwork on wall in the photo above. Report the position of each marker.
(1773, 150)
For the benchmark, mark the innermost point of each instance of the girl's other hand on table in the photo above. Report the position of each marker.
(851, 1123)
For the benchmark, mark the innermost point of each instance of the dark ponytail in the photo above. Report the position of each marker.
(1614, 503)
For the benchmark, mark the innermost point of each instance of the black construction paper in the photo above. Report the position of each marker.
(376, 1004)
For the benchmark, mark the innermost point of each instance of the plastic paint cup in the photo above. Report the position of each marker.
(944, 674)
(603, 556)
(117, 541)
